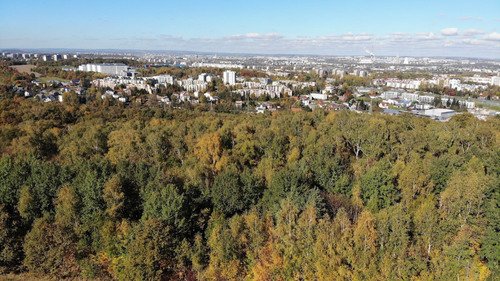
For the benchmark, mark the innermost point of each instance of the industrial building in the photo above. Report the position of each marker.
(439, 113)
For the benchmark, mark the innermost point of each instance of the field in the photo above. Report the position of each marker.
(26, 69)
(46, 79)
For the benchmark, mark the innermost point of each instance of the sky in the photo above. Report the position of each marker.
(349, 27)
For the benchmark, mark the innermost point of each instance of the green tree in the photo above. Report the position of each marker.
(233, 191)
(377, 188)
(364, 248)
(165, 203)
(150, 253)
(50, 249)
(114, 197)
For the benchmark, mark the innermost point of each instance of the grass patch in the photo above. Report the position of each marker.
(48, 78)
(26, 68)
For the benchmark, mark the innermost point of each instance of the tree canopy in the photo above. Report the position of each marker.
(150, 193)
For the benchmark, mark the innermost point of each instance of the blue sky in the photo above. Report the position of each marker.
(385, 27)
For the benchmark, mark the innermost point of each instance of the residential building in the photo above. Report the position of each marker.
(495, 80)
(202, 77)
(164, 79)
(318, 96)
(229, 77)
(116, 69)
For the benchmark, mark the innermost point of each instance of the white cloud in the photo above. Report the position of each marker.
(472, 32)
(474, 42)
(416, 38)
(426, 36)
(450, 31)
(448, 43)
(494, 36)
(255, 36)
(356, 37)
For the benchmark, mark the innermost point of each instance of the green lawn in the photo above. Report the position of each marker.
(488, 106)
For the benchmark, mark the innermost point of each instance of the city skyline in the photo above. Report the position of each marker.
(446, 28)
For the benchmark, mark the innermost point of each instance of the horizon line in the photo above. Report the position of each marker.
(3, 49)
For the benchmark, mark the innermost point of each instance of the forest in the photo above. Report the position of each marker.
(145, 193)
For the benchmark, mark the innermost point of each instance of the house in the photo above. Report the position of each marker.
(184, 96)
(260, 108)
(49, 98)
(164, 99)
(422, 106)
(336, 106)
(210, 97)
(345, 97)
(318, 96)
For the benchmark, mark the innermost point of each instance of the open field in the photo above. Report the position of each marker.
(46, 79)
(26, 69)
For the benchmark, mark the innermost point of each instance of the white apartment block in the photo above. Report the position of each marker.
(409, 96)
(229, 77)
(116, 69)
(404, 84)
(164, 79)
(390, 95)
(495, 80)
(202, 77)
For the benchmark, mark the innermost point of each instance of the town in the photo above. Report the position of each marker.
(433, 87)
